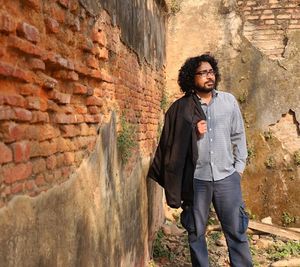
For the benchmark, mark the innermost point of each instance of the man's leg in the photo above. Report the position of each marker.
(229, 206)
(202, 200)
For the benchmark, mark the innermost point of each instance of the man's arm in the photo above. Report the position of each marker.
(238, 139)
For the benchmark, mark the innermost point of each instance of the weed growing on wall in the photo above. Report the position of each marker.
(126, 139)
(270, 163)
(175, 7)
(297, 157)
(287, 219)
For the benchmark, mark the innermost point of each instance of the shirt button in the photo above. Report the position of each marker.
(209, 118)
(212, 163)
(211, 140)
(211, 152)
(209, 129)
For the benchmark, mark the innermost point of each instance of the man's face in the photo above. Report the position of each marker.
(205, 78)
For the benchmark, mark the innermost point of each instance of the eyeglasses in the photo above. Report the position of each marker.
(205, 73)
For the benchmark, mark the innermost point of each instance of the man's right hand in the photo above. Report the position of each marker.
(202, 127)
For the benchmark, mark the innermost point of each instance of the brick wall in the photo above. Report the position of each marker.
(268, 22)
(62, 73)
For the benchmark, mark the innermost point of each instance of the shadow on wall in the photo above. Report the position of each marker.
(97, 218)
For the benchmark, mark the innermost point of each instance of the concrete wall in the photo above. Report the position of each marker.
(66, 198)
(264, 78)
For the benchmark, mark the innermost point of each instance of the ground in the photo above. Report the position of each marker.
(171, 247)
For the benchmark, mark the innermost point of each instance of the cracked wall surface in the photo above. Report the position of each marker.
(266, 84)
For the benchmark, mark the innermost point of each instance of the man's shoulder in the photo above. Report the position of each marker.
(226, 96)
(180, 102)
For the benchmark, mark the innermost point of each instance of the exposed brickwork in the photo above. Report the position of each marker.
(61, 75)
(268, 22)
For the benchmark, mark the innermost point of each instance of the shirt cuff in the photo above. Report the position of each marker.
(240, 167)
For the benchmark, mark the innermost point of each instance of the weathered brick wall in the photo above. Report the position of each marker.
(62, 72)
(268, 22)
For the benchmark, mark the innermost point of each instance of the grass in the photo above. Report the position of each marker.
(278, 252)
(297, 157)
(126, 139)
(270, 163)
(159, 249)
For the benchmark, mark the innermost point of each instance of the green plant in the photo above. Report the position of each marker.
(126, 139)
(159, 249)
(175, 7)
(268, 135)
(251, 153)
(270, 163)
(164, 102)
(242, 98)
(278, 252)
(287, 218)
(215, 236)
(297, 157)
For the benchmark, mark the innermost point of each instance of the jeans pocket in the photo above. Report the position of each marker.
(187, 219)
(244, 220)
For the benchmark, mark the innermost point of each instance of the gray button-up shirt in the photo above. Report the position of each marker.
(222, 149)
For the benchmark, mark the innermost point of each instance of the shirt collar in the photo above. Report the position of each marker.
(214, 94)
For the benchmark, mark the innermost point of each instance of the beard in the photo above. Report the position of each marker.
(207, 88)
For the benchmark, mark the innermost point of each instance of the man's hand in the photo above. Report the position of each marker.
(202, 127)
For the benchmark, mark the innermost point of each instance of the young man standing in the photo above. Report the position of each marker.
(200, 160)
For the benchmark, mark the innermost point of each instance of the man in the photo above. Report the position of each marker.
(200, 160)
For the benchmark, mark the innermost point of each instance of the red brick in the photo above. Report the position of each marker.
(57, 13)
(64, 144)
(60, 160)
(94, 109)
(51, 162)
(64, 118)
(69, 158)
(80, 109)
(92, 118)
(64, 3)
(60, 97)
(43, 149)
(21, 151)
(52, 25)
(66, 75)
(40, 180)
(79, 89)
(29, 89)
(37, 103)
(13, 173)
(22, 114)
(25, 46)
(99, 37)
(88, 45)
(35, 4)
(39, 116)
(10, 131)
(92, 62)
(28, 32)
(58, 61)
(5, 153)
(94, 101)
(102, 53)
(12, 100)
(6, 113)
(38, 165)
(17, 188)
(52, 106)
(46, 81)
(15, 72)
(69, 130)
(7, 24)
(29, 185)
(36, 64)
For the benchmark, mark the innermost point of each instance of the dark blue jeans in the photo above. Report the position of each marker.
(226, 197)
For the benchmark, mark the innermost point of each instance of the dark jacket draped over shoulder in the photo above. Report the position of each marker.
(175, 159)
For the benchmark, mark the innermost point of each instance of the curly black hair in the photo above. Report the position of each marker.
(187, 72)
